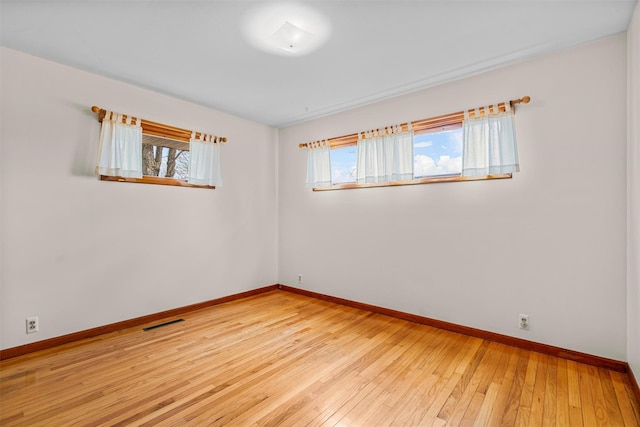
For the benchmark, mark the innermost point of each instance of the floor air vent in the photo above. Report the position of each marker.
(170, 322)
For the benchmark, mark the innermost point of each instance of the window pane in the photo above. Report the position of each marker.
(175, 164)
(165, 162)
(343, 165)
(438, 153)
(164, 157)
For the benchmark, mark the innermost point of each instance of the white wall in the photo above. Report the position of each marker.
(633, 196)
(80, 253)
(551, 242)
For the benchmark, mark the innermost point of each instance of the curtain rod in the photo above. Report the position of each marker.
(159, 129)
(447, 121)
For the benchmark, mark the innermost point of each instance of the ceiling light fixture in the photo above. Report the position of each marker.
(289, 29)
(291, 38)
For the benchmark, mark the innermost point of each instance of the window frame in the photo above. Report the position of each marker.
(157, 180)
(430, 180)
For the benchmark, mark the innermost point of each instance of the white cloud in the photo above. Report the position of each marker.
(450, 164)
(423, 165)
(426, 166)
(343, 175)
(423, 144)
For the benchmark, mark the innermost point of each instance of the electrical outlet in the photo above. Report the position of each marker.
(524, 321)
(299, 278)
(33, 325)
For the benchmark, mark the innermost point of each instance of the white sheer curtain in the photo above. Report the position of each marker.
(120, 150)
(318, 164)
(385, 155)
(489, 143)
(204, 161)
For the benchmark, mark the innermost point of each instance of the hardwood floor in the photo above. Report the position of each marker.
(281, 359)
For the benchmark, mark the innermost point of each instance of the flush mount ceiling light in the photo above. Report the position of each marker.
(288, 29)
(291, 38)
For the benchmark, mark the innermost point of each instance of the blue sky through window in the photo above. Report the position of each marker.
(434, 154)
(343, 165)
(438, 153)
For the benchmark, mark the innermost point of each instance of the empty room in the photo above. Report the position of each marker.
(319, 213)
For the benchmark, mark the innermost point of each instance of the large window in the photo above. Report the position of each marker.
(470, 145)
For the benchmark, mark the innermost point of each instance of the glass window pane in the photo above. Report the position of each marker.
(166, 162)
(343, 165)
(437, 154)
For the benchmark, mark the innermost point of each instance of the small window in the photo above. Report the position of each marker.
(437, 154)
(165, 158)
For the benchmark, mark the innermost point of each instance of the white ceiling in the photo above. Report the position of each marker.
(197, 51)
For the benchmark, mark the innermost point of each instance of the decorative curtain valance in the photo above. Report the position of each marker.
(318, 164)
(158, 129)
(489, 143)
(431, 124)
(385, 155)
(120, 149)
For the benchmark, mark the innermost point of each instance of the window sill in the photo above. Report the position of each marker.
(155, 180)
(431, 180)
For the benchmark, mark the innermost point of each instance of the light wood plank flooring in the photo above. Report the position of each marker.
(281, 359)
